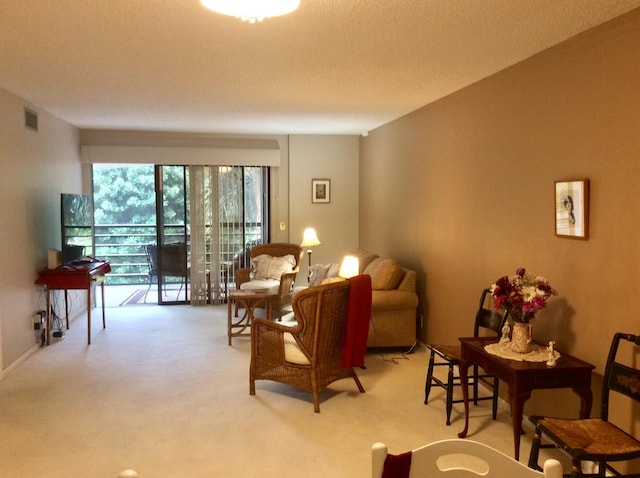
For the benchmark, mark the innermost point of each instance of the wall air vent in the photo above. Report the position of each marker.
(30, 119)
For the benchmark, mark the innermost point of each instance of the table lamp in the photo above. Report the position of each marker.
(309, 239)
(350, 267)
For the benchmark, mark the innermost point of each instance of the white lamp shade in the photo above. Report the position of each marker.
(350, 267)
(310, 238)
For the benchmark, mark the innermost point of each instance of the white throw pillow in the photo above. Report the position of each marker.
(268, 267)
(317, 273)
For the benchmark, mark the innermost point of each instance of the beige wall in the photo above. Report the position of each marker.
(336, 223)
(464, 187)
(36, 168)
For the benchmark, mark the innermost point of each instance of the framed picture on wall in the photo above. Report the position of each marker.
(572, 208)
(321, 190)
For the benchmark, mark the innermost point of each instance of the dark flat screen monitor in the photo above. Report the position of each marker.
(77, 226)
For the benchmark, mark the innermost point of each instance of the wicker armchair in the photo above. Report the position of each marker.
(282, 290)
(308, 355)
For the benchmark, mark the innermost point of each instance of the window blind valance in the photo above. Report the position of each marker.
(268, 154)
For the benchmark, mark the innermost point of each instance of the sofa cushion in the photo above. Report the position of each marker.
(317, 273)
(334, 269)
(364, 258)
(272, 267)
(385, 274)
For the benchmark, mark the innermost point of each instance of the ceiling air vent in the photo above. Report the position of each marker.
(30, 119)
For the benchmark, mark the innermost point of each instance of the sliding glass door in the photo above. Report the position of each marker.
(185, 228)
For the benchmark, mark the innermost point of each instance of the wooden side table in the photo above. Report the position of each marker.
(522, 378)
(248, 300)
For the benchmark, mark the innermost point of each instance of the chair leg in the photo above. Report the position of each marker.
(449, 393)
(316, 402)
(535, 450)
(357, 380)
(148, 289)
(494, 409)
(576, 468)
(427, 382)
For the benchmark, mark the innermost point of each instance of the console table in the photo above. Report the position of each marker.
(80, 276)
(522, 378)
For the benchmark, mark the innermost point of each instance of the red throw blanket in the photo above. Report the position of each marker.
(357, 325)
(397, 466)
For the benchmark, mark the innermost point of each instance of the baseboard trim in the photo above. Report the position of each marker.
(19, 361)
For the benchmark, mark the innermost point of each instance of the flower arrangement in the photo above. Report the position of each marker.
(521, 295)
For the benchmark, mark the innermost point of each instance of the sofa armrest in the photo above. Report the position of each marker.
(408, 282)
(393, 300)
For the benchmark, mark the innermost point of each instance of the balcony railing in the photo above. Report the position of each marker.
(123, 245)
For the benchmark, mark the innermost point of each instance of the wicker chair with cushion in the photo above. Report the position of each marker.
(597, 440)
(274, 267)
(308, 355)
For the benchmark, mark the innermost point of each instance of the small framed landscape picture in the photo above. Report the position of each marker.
(572, 208)
(321, 190)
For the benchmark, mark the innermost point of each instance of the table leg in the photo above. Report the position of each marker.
(463, 369)
(586, 400)
(88, 315)
(66, 306)
(104, 322)
(48, 316)
(517, 400)
(230, 303)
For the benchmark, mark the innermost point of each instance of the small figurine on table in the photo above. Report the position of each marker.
(552, 356)
(505, 333)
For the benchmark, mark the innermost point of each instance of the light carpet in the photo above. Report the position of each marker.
(161, 392)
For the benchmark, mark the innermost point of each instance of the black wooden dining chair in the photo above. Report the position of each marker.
(487, 319)
(597, 439)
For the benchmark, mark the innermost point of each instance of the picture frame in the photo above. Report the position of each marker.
(320, 190)
(572, 208)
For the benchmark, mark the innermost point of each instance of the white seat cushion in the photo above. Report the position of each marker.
(273, 286)
(292, 352)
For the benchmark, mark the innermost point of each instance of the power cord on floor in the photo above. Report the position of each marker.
(399, 356)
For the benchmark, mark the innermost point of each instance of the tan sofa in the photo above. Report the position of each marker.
(395, 300)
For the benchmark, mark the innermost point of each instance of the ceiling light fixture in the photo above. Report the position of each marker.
(252, 10)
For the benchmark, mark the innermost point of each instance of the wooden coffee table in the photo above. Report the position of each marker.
(248, 300)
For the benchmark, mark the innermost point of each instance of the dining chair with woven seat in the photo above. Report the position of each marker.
(597, 440)
(487, 321)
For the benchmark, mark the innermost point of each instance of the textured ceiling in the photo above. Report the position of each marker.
(331, 67)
